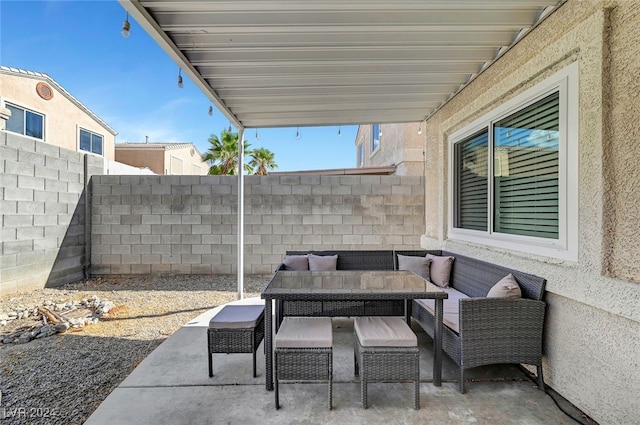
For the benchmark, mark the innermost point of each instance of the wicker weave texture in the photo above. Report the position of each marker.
(386, 364)
(357, 260)
(237, 340)
(305, 364)
(512, 326)
(346, 308)
(475, 277)
(492, 330)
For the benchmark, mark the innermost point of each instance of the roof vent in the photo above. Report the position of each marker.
(44, 91)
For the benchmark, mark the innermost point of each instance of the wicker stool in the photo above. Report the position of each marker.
(236, 329)
(304, 350)
(385, 349)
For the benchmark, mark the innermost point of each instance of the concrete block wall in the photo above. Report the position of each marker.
(42, 213)
(188, 224)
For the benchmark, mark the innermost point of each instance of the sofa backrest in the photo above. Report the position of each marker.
(475, 277)
(357, 260)
(470, 276)
(412, 253)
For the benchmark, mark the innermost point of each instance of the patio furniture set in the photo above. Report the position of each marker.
(477, 312)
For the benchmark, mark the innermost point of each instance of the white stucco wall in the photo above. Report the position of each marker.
(592, 332)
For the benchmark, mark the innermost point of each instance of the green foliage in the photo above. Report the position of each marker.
(222, 156)
(262, 161)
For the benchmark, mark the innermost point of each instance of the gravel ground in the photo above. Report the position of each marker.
(63, 378)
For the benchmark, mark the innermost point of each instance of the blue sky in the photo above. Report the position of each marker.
(131, 83)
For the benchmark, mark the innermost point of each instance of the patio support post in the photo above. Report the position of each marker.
(240, 213)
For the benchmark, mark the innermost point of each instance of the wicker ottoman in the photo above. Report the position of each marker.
(236, 329)
(385, 349)
(304, 351)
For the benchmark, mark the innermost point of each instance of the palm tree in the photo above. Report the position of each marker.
(262, 161)
(222, 155)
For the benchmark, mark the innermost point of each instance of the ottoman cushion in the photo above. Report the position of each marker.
(237, 317)
(305, 332)
(384, 332)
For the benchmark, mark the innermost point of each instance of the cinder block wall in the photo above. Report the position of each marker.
(188, 224)
(42, 212)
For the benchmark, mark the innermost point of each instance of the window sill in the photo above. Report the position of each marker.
(535, 246)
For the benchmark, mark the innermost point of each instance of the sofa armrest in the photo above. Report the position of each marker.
(503, 330)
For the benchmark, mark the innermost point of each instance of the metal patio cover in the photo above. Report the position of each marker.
(333, 62)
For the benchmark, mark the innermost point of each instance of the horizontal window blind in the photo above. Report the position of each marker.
(526, 174)
(471, 181)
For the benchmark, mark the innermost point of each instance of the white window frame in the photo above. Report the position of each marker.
(181, 161)
(566, 246)
(375, 147)
(92, 133)
(25, 110)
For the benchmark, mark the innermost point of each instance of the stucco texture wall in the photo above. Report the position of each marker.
(150, 158)
(62, 117)
(400, 145)
(592, 331)
(189, 159)
(621, 150)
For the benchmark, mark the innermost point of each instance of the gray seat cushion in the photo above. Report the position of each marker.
(384, 332)
(450, 306)
(305, 332)
(237, 317)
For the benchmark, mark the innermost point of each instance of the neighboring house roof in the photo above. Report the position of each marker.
(163, 146)
(41, 76)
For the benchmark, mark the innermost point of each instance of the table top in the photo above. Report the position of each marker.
(351, 284)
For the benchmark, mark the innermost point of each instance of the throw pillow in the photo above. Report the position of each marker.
(507, 287)
(440, 269)
(296, 262)
(322, 262)
(418, 265)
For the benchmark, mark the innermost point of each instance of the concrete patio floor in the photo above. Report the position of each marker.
(172, 386)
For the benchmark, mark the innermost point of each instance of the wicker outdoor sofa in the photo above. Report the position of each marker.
(485, 330)
(347, 260)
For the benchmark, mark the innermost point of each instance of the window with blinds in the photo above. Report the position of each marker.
(522, 156)
(472, 182)
(525, 181)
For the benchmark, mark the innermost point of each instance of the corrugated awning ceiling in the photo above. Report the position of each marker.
(310, 62)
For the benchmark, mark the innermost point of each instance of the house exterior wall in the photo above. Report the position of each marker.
(592, 329)
(63, 119)
(163, 159)
(400, 145)
(150, 158)
(189, 158)
(188, 224)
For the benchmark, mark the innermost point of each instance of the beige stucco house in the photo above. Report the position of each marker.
(398, 145)
(586, 55)
(43, 110)
(163, 158)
